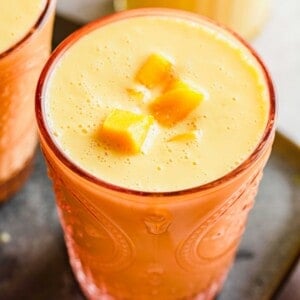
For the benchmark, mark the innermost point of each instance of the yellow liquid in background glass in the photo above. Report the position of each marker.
(92, 78)
(246, 17)
(17, 17)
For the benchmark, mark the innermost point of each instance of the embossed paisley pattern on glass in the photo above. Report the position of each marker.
(221, 232)
(157, 222)
(95, 236)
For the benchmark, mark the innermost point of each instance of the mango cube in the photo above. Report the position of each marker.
(176, 83)
(135, 94)
(126, 131)
(174, 105)
(154, 71)
(186, 136)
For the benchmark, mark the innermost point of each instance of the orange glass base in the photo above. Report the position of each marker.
(15, 182)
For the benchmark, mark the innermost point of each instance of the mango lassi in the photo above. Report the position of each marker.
(25, 36)
(17, 19)
(155, 125)
(245, 16)
(85, 87)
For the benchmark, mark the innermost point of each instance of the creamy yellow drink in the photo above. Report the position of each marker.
(17, 17)
(99, 76)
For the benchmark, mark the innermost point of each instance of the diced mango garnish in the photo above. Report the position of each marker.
(156, 70)
(135, 94)
(174, 105)
(126, 131)
(138, 93)
(176, 83)
(186, 137)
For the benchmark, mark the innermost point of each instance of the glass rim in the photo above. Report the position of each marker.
(69, 164)
(38, 24)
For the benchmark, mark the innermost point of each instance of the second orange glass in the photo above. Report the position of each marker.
(20, 67)
(125, 244)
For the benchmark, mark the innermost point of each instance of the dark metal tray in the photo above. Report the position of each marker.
(33, 259)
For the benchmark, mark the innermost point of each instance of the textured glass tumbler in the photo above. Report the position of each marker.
(246, 17)
(20, 67)
(126, 244)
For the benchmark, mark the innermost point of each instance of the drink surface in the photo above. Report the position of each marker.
(16, 19)
(97, 75)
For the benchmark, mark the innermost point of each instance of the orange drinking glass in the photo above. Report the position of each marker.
(20, 67)
(128, 244)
